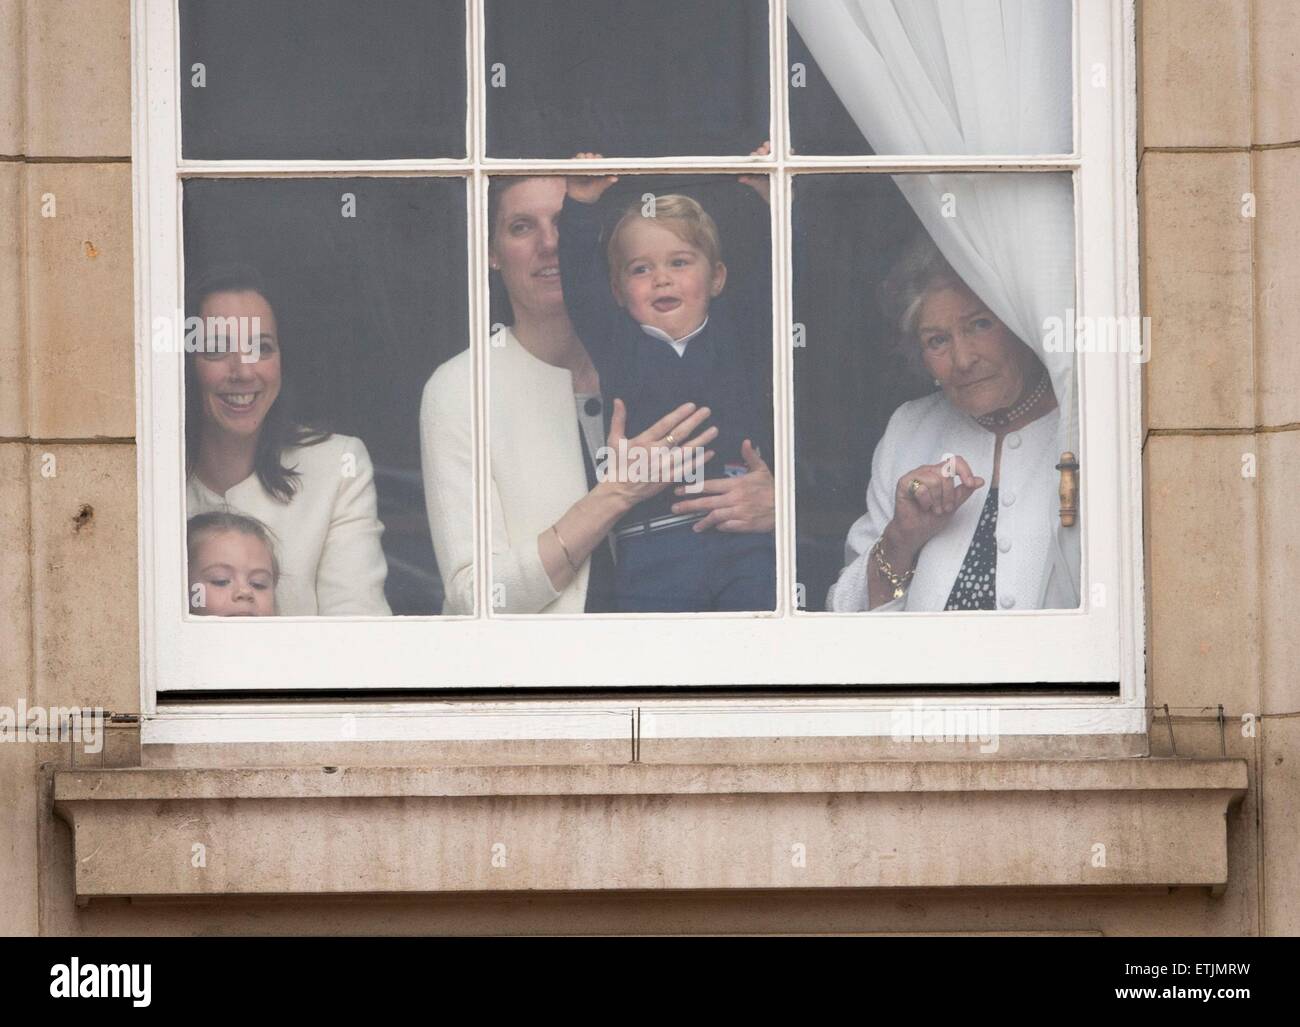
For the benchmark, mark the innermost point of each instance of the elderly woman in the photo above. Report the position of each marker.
(550, 515)
(961, 501)
(246, 454)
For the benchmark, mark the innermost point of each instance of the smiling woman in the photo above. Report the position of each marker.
(246, 454)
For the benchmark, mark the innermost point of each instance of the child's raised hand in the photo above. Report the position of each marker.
(588, 188)
(761, 184)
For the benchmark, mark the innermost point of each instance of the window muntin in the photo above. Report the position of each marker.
(344, 655)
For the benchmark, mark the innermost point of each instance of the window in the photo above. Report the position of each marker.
(894, 224)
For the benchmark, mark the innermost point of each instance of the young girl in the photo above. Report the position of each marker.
(233, 570)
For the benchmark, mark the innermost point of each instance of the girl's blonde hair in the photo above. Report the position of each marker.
(200, 526)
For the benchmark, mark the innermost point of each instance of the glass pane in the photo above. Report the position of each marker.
(314, 427)
(909, 77)
(625, 79)
(934, 391)
(322, 79)
(586, 514)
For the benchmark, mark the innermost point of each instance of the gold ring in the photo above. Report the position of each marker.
(672, 442)
(915, 486)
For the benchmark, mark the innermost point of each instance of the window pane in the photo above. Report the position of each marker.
(930, 315)
(690, 258)
(962, 77)
(626, 79)
(322, 79)
(360, 287)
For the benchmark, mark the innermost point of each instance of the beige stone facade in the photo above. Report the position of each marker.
(1206, 840)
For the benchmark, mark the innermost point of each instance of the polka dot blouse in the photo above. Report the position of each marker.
(976, 587)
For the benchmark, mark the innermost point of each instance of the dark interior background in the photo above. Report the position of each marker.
(819, 123)
(385, 79)
(324, 79)
(627, 78)
(367, 308)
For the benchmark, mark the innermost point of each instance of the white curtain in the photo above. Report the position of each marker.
(947, 76)
(968, 78)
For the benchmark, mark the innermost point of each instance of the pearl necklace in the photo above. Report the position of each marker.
(1009, 415)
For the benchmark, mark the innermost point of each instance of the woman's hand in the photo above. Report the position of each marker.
(761, 184)
(922, 510)
(745, 503)
(666, 452)
(588, 188)
(635, 469)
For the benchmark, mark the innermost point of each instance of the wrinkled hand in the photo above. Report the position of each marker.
(670, 449)
(922, 512)
(588, 188)
(761, 184)
(746, 503)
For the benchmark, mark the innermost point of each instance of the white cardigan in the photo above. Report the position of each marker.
(536, 474)
(326, 536)
(1033, 572)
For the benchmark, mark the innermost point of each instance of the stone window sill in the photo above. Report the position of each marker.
(405, 830)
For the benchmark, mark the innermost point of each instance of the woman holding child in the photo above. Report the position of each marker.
(552, 512)
(311, 493)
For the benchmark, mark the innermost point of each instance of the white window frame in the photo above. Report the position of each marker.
(1097, 643)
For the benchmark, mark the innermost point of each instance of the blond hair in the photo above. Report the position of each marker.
(203, 526)
(682, 216)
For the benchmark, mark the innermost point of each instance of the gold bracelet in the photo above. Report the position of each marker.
(898, 582)
(572, 566)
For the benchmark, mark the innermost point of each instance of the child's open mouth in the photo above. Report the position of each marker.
(666, 304)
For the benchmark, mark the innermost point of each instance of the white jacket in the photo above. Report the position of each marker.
(327, 535)
(536, 471)
(1034, 570)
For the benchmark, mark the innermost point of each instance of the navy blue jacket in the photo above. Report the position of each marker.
(727, 367)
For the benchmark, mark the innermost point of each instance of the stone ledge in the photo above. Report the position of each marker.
(374, 830)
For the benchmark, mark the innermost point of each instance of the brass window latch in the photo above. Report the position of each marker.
(1069, 468)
